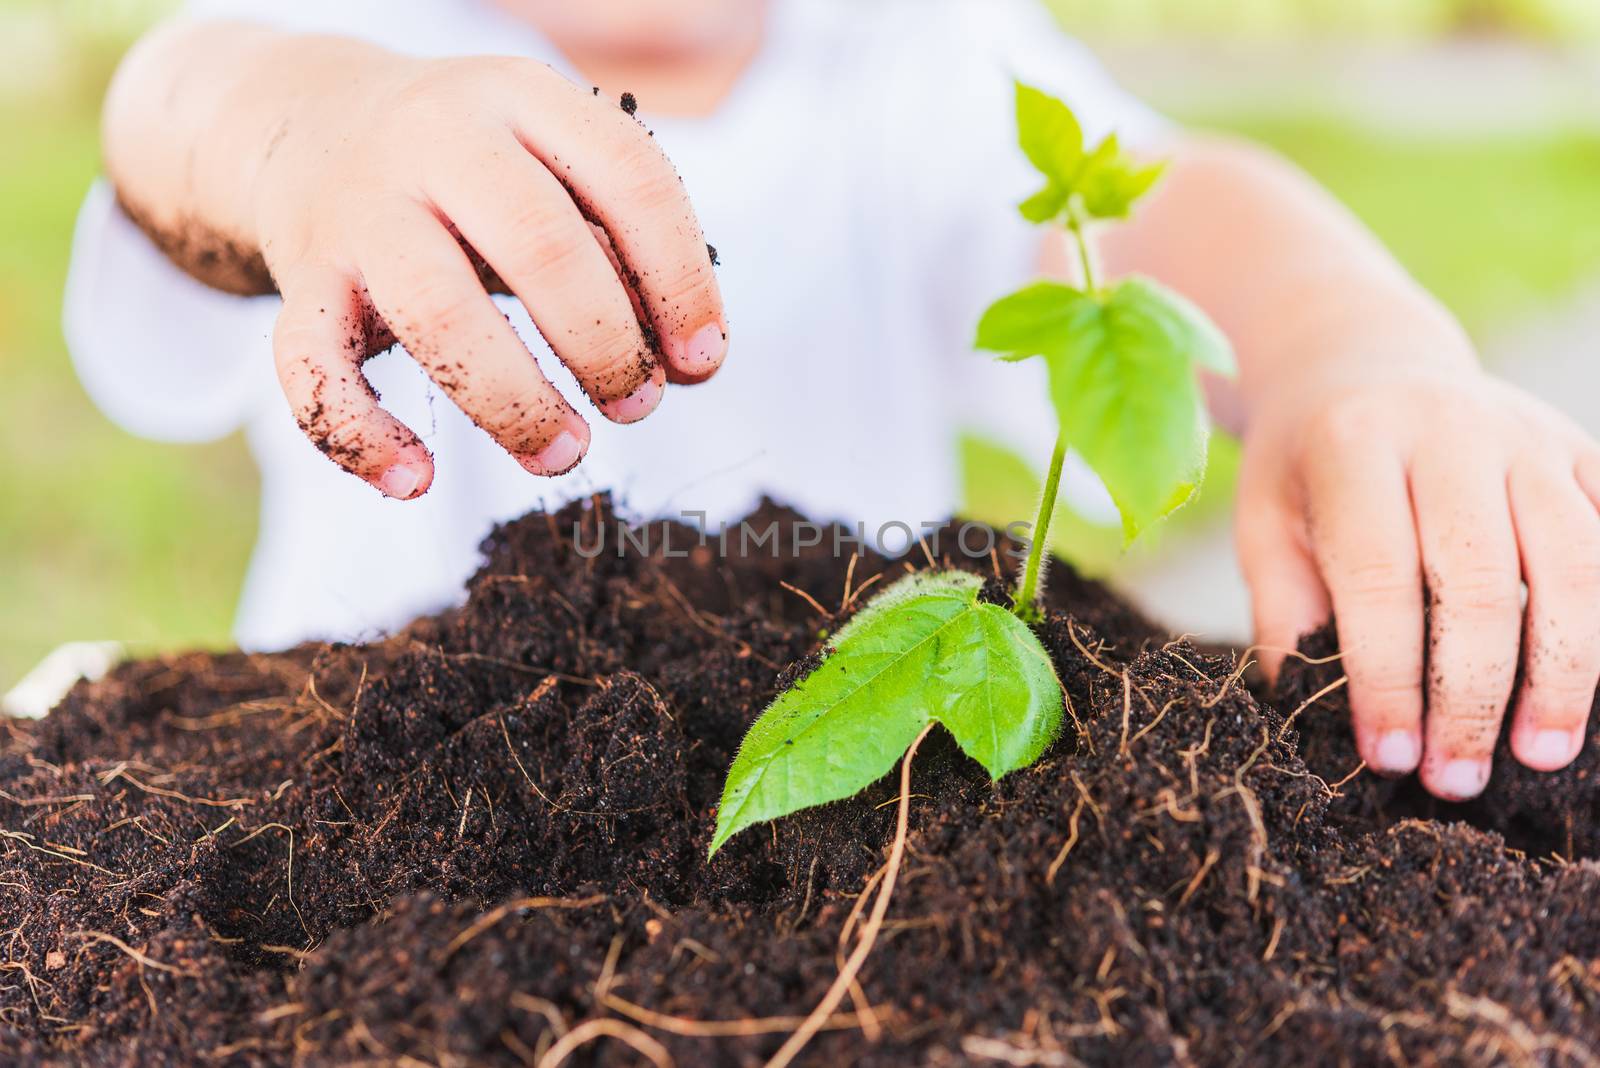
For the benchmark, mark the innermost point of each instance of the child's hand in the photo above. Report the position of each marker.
(1358, 490)
(363, 179)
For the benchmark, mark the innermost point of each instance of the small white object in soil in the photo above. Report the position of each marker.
(57, 673)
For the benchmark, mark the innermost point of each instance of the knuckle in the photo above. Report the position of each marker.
(518, 417)
(1468, 704)
(1381, 582)
(1563, 702)
(343, 436)
(1345, 425)
(548, 242)
(1578, 579)
(686, 284)
(1386, 686)
(646, 179)
(1477, 590)
(438, 301)
(608, 355)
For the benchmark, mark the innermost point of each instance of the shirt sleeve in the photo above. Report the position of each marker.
(161, 354)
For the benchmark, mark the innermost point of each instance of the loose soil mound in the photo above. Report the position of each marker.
(458, 845)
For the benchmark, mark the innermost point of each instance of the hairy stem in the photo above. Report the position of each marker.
(1032, 584)
(1026, 606)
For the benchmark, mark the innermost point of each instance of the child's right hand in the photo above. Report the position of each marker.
(359, 176)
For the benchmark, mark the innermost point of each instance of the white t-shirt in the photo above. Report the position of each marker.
(859, 184)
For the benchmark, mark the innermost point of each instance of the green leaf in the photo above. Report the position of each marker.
(1111, 182)
(1049, 134)
(1046, 204)
(925, 649)
(1189, 328)
(1123, 386)
(1036, 320)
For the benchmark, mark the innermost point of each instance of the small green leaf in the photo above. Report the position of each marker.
(1036, 320)
(1049, 134)
(925, 649)
(1046, 204)
(1111, 182)
(1001, 697)
(1123, 386)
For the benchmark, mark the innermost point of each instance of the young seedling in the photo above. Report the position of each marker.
(1121, 362)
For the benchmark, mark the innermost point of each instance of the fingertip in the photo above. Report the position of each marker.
(1269, 659)
(1546, 748)
(640, 403)
(697, 355)
(408, 477)
(1459, 779)
(1391, 753)
(564, 452)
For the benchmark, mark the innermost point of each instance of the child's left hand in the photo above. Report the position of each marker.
(1365, 489)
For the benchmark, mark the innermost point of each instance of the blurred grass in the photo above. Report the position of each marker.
(1366, 19)
(103, 535)
(1495, 227)
(106, 536)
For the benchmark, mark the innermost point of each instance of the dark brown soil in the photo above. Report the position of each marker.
(457, 845)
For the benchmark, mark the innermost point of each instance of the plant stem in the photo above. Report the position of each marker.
(1086, 261)
(1026, 606)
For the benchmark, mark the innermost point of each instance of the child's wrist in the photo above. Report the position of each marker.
(1353, 332)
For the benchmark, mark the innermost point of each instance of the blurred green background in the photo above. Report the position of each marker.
(1461, 130)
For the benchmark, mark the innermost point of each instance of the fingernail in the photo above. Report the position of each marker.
(1551, 749)
(704, 350)
(1396, 753)
(558, 457)
(638, 404)
(1463, 779)
(400, 482)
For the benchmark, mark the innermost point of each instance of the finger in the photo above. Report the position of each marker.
(1558, 534)
(1287, 598)
(620, 180)
(1469, 554)
(424, 286)
(1364, 541)
(1587, 470)
(318, 345)
(675, 373)
(522, 222)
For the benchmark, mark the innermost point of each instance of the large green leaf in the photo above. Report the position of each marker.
(926, 649)
(1124, 389)
(1122, 381)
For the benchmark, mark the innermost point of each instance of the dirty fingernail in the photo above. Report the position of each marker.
(1397, 753)
(704, 350)
(400, 482)
(638, 404)
(1463, 779)
(558, 457)
(1553, 748)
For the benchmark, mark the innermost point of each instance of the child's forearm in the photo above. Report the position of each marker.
(1299, 285)
(194, 115)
